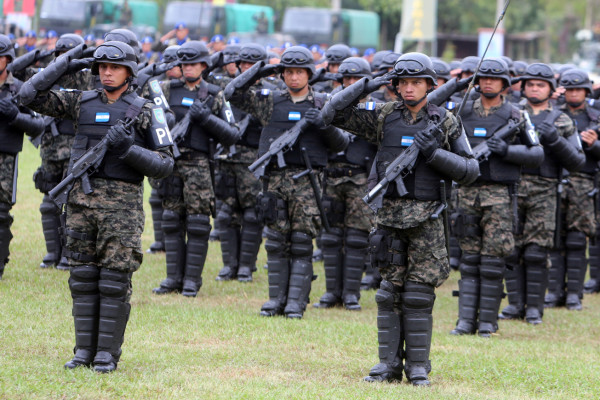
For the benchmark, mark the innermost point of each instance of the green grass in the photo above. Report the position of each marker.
(217, 347)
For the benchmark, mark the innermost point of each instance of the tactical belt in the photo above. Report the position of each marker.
(341, 172)
(192, 155)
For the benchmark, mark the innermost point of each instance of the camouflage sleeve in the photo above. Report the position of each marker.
(80, 80)
(254, 103)
(451, 126)
(564, 125)
(166, 89)
(359, 121)
(58, 104)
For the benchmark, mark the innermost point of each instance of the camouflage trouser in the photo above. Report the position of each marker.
(7, 171)
(491, 203)
(238, 188)
(537, 211)
(198, 195)
(578, 207)
(107, 238)
(300, 203)
(349, 193)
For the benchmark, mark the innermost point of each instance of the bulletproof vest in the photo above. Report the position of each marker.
(95, 119)
(11, 138)
(180, 100)
(359, 152)
(424, 182)
(583, 121)
(550, 168)
(251, 136)
(479, 129)
(284, 116)
(63, 126)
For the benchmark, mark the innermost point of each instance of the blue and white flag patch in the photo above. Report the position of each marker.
(294, 116)
(186, 101)
(450, 105)
(102, 117)
(370, 105)
(407, 140)
(265, 92)
(480, 132)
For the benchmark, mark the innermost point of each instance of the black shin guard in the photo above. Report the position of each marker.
(536, 273)
(278, 273)
(515, 288)
(250, 240)
(229, 235)
(491, 271)
(356, 245)
(157, 213)
(576, 266)
(556, 280)
(593, 284)
(175, 248)
(198, 230)
(301, 274)
(50, 225)
(468, 295)
(331, 246)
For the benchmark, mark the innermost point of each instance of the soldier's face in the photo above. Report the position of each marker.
(244, 65)
(490, 85)
(333, 68)
(231, 69)
(113, 74)
(537, 89)
(182, 33)
(3, 62)
(174, 73)
(440, 81)
(192, 70)
(413, 88)
(349, 80)
(295, 78)
(575, 95)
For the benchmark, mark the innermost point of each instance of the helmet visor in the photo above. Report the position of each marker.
(251, 56)
(294, 58)
(540, 70)
(188, 54)
(350, 68)
(112, 53)
(409, 67)
(492, 67)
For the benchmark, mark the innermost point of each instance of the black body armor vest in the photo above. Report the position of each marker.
(285, 115)
(479, 129)
(359, 152)
(583, 121)
(551, 167)
(251, 136)
(95, 119)
(11, 138)
(424, 182)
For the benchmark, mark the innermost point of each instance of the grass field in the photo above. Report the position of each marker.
(217, 347)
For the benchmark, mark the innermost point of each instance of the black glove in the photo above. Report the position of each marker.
(119, 139)
(374, 84)
(199, 111)
(463, 84)
(79, 64)
(8, 110)
(548, 132)
(497, 146)
(313, 117)
(426, 142)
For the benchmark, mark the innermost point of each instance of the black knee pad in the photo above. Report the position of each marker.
(250, 215)
(301, 244)
(224, 215)
(469, 264)
(357, 239)
(114, 283)
(84, 279)
(333, 238)
(535, 254)
(198, 224)
(48, 207)
(491, 268)
(418, 295)
(576, 240)
(171, 222)
(384, 297)
(275, 242)
(155, 200)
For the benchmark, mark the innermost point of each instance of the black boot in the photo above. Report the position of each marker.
(157, 213)
(468, 295)
(536, 273)
(198, 230)
(389, 336)
(331, 243)
(50, 225)
(576, 265)
(556, 280)
(278, 273)
(417, 305)
(515, 288)
(172, 225)
(251, 238)
(593, 284)
(83, 284)
(356, 245)
(5, 235)
(301, 275)
(491, 271)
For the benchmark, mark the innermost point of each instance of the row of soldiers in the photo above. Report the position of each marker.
(392, 127)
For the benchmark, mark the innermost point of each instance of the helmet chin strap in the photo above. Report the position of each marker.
(413, 103)
(297, 90)
(111, 89)
(192, 79)
(574, 104)
(535, 100)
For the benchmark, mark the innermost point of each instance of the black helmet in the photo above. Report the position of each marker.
(125, 36)
(115, 52)
(539, 71)
(518, 68)
(253, 53)
(6, 48)
(337, 53)
(66, 42)
(378, 58)
(354, 66)
(564, 68)
(414, 65)
(442, 69)
(298, 57)
(508, 61)
(231, 53)
(494, 67)
(576, 78)
(192, 52)
(170, 53)
(389, 60)
(469, 64)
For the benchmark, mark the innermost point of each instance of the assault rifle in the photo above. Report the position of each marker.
(481, 152)
(277, 148)
(397, 171)
(83, 168)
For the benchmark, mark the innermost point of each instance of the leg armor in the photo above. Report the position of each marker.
(417, 305)
(198, 229)
(278, 273)
(515, 287)
(157, 212)
(356, 244)
(468, 295)
(250, 241)
(5, 235)
(50, 225)
(83, 284)
(214, 234)
(114, 313)
(332, 262)
(536, 275)
(301, 274)
(172, 225)
(389, 335)
(491, 271)
(576, 264)
(455, 253)
(372, 277)
(230, 237)
(556, 280)
(593, 285)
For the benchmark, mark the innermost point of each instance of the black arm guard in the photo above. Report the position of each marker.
(152, 70)
(147, 162)
(225, 133)
(336, 139)
(460, 169)
(343, 99)
(568, 153)
(33, 126)
(171, 120)
(244, 80)
(594, 150)
(440, 95)
(527, 156)
(20, 63)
